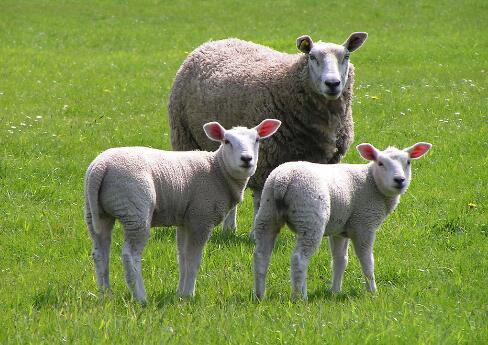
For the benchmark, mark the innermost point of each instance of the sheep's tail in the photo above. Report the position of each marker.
(93, 180)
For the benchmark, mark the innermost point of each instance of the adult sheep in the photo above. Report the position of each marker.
(238, 82)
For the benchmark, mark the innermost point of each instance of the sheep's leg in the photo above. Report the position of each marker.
(338, 248)
(102, 240)
(307, 244)
(136, 236)
(364, 250)
(230, 222)
(265, 241)
(195, 241)
(181, 242)
(256, 202)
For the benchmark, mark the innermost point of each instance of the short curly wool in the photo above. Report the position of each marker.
(342, 201)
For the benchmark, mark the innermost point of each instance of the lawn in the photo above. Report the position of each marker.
(77, 77)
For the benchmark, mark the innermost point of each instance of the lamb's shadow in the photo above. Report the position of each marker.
(320, 294)
(228, 239)
(218, 237)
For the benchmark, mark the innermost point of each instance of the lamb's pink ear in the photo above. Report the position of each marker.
(267, 128)
(418, 150)
(214, 131)
(367, 151)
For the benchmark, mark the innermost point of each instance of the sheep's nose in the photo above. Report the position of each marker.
(246, 158)
(332, 83)
(399, 180)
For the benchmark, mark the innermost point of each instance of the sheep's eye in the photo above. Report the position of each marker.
(346, 57)
(380, 164)
(313, 58)
(257, 140)
(226, 141)
(408, 162)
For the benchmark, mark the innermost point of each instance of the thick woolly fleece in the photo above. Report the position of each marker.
(238, 82)
(143, 188)
(315, 200)
(163, 188)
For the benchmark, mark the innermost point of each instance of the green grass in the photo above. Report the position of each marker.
(77, 77)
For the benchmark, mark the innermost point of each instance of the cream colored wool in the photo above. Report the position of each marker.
(143, 188)
(343, 201)
(239, 82)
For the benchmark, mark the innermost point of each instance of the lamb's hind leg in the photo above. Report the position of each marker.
(102, 239)
(338, 248)
(266, 228)
(256, 197)
(136, 230)
(308, 242)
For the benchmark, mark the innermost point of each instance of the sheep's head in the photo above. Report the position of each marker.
(240, 145)
(391, 167)
(328, 63)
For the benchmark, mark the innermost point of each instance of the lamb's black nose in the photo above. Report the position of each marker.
(246, 158)
(399, 180)
(333, 83)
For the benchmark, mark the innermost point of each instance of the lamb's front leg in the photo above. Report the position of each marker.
(338, 248)
(363, 246)
(196, 238)
(181, 243)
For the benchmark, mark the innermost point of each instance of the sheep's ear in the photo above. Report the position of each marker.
(355, 41)
(418, 150)
(368, 151)
(214, 131)
(267, 128)
(304, 44)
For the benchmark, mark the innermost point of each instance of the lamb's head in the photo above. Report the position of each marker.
(328, 63)
(391, 167)
(240, 145)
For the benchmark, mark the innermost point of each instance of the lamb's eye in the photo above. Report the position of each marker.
(257, 140)
(380, 164)
(346, 57)
(408, 162)
(313, 58)
(226, 141)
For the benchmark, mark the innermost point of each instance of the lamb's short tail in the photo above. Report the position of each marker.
(93, 181)
(272, 200)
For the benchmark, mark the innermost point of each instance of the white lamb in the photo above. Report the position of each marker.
(144, 188)
(343, 201)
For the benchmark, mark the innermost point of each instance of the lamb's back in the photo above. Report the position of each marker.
(136, 177)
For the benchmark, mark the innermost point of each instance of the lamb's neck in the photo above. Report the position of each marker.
(390, 201)
(234, 185)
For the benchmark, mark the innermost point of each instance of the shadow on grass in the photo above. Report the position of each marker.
(218, 237)
(229, 239)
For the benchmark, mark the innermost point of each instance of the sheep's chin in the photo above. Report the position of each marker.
(332, 96)
(242, 173)
(392, 191)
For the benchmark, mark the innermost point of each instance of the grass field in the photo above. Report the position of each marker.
(77, 77)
